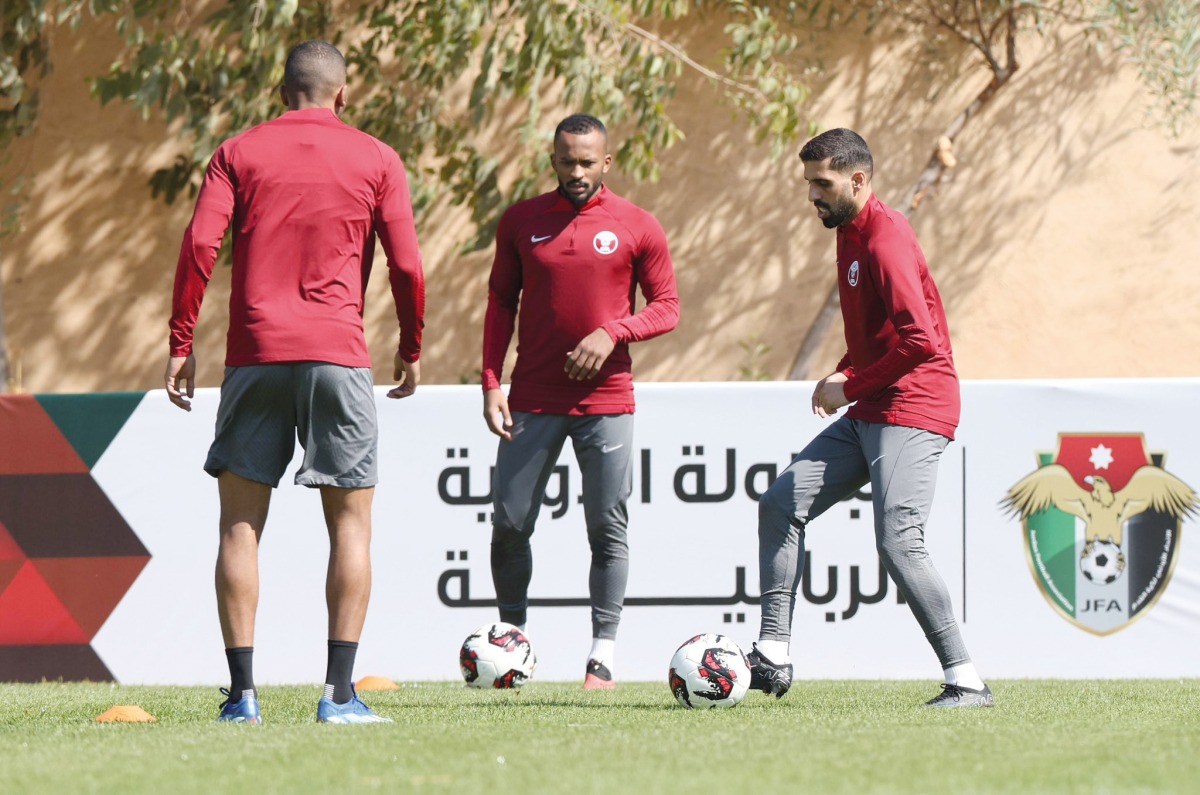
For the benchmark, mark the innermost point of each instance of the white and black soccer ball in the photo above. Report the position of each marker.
(1102, 562)
(497, 656)
(709, 671)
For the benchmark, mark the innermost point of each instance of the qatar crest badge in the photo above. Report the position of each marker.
(605, 242)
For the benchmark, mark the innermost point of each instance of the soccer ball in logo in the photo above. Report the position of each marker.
(709, 671)
(496, 656)
(1102, 562)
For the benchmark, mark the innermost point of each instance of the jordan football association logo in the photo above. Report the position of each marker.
(1101, 520)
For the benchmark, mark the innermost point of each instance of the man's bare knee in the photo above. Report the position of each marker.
(347, 511)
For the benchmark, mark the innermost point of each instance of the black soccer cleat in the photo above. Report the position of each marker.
(766, 675)
(959, 696)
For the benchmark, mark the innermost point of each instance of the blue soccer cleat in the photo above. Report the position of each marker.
(353, 711)
(244, 711)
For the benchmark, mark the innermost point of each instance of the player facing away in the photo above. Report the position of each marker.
(572, 261)
(307, 195)
(898, 372)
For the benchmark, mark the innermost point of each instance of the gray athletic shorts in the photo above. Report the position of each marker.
(329, 408)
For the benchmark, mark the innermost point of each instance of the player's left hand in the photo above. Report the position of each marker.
(589, 355)
(410, 372)
(829, 395)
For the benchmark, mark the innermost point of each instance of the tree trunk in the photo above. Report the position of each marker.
(830, 309)
(3, 345)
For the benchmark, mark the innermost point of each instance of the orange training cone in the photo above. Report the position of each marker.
(126, 713)
(376, 683)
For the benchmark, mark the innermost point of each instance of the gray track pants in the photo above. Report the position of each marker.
(604, 448)
(901, 465)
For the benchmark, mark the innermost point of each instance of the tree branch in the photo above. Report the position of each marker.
(982, 45)
(687, 60)
(674, 50)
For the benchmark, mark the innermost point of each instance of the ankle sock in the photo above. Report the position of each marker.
(338, 687)
(604, 651)
(241, 672)
(775, 650)
(963, 675)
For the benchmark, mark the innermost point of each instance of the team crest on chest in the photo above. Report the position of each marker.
(852, 274)
(605, 242)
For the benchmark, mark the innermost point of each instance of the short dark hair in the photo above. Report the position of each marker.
(580, 124)
(314, 68)
(844, 149)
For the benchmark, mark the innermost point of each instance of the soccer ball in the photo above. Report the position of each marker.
(497, 655)
(709, 671)
(1102, 562)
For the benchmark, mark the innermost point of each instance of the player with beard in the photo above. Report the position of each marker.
(898, 374)
(567, 267)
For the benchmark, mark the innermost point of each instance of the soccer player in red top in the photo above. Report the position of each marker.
(898, 372)
(572, 260)
(307, 196)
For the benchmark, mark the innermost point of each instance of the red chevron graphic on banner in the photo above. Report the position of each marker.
(90, 588)
(31, 613)
(32, 442)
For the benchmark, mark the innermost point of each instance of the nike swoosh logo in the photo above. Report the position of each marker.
(536, 239)
(606, 449)
(876, 461)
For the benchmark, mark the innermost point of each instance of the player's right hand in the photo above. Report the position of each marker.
(410, 372)
(496, 414)
(829, 395)
(181, 371)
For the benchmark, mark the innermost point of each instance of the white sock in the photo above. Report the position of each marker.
(604, 652)
(775, 650)
(964, 675)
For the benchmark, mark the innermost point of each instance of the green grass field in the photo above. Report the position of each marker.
(824, 737)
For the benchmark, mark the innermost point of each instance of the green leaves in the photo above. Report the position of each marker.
(451, 84)
(1163, 40)
(461, 87)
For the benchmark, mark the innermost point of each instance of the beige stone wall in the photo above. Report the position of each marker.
(1062, 245)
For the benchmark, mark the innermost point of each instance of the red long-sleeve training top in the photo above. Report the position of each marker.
(899, 363)
(571, 272)
(306, 195)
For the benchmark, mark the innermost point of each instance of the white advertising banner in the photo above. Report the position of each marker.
(1039, 593)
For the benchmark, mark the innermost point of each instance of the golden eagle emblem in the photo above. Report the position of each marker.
(1103, 510)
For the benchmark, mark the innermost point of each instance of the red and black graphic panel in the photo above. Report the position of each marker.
(67, 556)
